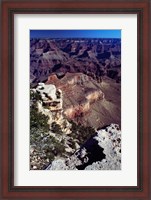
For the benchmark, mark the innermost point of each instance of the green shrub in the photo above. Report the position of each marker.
(56, 128)
(34, 96)
(81, 133)
(38, 120)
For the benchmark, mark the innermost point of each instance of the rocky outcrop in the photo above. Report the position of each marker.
(50, 102)
(48, 128)
(100, 152)
(109, 139)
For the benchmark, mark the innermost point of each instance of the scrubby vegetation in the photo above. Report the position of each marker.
(56, 128)
(43, 146)
(48, 141)
(81, 133)
(38, 120)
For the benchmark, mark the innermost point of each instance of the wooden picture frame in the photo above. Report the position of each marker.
(9, 9)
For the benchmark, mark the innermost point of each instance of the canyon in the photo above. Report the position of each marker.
(94, 57)
(75, 87)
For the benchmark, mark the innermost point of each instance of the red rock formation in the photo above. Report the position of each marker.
(78, 93)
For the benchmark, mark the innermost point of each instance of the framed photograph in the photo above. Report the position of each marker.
(75, 99)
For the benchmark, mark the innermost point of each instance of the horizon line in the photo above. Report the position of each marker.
(73, 38)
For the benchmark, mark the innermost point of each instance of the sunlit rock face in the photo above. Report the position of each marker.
(109, 139)
(93, 95)
(83, 106)
(47, 91)
(51, 102)
(51, 96)
(75, 111)
(101, 152)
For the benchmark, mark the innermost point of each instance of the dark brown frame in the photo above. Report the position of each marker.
(9, 8)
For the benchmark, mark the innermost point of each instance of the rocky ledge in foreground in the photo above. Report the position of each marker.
(100, 152)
